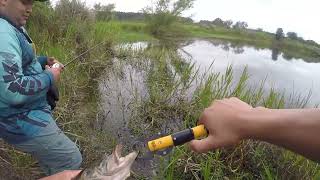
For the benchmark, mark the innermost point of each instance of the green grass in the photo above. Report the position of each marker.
(125, 31)
(167, 104)
(168, 82)
(136, 31)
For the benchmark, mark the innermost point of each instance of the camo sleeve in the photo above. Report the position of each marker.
(15, 87)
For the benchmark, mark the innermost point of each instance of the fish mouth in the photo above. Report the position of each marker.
(133, 156)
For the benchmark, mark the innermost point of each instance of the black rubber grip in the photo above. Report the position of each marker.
(182, 137)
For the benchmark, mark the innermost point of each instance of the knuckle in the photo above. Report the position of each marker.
(210, 144)
(206, 113)
(197, 149)
(214, 102)
(193, 146)
(260, 108)
(234, 98)
(213, 146)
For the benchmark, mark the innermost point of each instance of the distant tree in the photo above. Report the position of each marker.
(97, 6)
(186, 19)
(260, 29)
(292, 35)
(218, 22)
(312, 42)
(240, 25)
(135, 16)
(300, 39)
(104, 13)
(205, 22)
(180, 6)
(221, 23)
(228, 23)
(279, 34)
(162, 18)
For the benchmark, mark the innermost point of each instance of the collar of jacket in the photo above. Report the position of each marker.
(20, 29)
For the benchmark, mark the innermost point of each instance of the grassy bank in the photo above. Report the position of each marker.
(292, 48)
(127, 31)
(135, 31)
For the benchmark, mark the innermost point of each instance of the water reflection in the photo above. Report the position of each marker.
(295, 76)
(239, 48)
(275, 54)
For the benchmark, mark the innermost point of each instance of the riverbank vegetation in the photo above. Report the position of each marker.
(176, 91)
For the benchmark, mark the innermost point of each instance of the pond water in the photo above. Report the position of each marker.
(295, 77)
(124, 85)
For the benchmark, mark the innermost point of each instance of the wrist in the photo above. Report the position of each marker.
(270, 124)
(254, 122)
(51, 76)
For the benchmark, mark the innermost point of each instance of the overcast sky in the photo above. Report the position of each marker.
(301, 16)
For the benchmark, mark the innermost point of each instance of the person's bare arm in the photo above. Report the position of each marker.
(231, 120)
(64, 175)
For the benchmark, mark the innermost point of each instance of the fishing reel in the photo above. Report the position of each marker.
(56, 65)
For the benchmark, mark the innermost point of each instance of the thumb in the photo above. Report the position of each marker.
(203, 145)
(50, 59)
(47, 67)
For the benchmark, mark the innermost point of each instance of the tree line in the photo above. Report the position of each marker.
(107, 13)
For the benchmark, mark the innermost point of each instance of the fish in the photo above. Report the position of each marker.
(112, 167)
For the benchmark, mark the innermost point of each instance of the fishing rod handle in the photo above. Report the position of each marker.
(178, 138)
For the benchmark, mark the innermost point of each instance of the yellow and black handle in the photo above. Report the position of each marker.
(178, 138)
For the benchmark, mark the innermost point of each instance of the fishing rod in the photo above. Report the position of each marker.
(57, 65)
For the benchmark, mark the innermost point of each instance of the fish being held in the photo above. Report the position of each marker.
(112, 167)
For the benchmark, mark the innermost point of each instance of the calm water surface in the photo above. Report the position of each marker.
(292, 76)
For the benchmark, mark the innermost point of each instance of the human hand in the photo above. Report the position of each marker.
(223, 119)
(51, 61)
(64, 175)
(56, 71)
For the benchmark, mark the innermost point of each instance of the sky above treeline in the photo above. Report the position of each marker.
(300, 16)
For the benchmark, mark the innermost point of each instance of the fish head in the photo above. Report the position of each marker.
(118, 164)
(112, 167)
